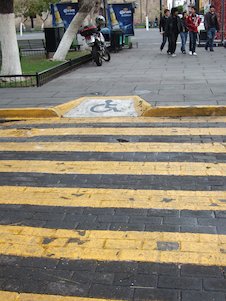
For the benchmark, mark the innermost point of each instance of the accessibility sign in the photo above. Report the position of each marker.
(104, 107)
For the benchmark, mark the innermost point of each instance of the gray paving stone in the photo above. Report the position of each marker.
(180, 282)
(154, 71)
(202, 296)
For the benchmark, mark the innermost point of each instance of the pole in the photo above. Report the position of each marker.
(147, 23)
(160, 8)
(21, 29)
(105, 10)
(222, 21)
(147, 19)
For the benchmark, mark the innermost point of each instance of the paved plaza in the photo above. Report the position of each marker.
(116, 208)
(143, 71)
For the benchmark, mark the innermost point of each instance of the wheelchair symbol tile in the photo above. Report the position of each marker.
(108, 107)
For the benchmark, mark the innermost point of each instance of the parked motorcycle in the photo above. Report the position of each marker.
(95, 39)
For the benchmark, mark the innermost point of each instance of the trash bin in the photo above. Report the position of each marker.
(116, 39)
(127, 42)
(106, 33)
(53, 36)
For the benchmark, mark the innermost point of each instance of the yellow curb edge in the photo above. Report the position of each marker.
(19, 113)
(142, 107)
(185, 111)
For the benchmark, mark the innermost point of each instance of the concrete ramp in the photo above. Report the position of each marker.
(105, 106)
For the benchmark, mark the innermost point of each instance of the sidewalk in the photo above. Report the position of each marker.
(143, 71)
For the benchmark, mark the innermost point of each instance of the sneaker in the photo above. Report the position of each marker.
(190, 52)
(194, 53)
(174, 54)
(168, 52)
(206, 47)
(184, 52)
(211, 50)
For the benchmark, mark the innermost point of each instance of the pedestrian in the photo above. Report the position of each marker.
(156, 22)
(184, 32)
(162, 27)
(193, 22)
(211, 25)
(173, 28)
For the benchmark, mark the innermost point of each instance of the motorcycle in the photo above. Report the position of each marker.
(95, 39)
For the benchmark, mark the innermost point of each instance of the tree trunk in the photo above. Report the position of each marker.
(85, 7)
(10, 52)
(32, 22)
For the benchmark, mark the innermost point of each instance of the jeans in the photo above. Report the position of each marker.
(192, 41)
(210, 38)
(183, 36)
(164, 40)
(173, 42)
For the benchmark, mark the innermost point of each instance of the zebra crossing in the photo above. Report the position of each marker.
(113, 209)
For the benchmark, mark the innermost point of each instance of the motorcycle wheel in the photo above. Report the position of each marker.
(96, 56)
(106, 56)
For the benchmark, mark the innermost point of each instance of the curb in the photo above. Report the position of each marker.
(143, 108)
(18, 113)
(185, 111)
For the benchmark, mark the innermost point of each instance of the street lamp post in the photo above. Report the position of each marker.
(160, 8)
(222, 21)
(105, 3)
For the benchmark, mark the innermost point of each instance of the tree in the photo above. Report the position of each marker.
(180, 9)
(10, 52)
(33, 8)
(86, 8)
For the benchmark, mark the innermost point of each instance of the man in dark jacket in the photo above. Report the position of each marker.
(173, 28)
(211, 26)
(162, 27)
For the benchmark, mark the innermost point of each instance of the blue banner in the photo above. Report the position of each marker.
(121, 17)
(63, 13)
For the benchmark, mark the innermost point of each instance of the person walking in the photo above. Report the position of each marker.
(162, 26)
(193, 22)
(184, 32)
(173, 28)
(211, 25)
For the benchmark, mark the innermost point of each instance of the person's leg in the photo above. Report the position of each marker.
(174, 44)
(182, 36)
(167, 39)
(170, 44)
(190, 41)
(213, 32)
(163, 42)
(194, 41)
(185, 40)
(210, 38)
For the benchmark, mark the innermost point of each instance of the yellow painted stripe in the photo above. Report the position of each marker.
(114, 167)
(113, 147)
(11, 296)
(121, 120)
(193, 248)
(113, 198)
(112, 131)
